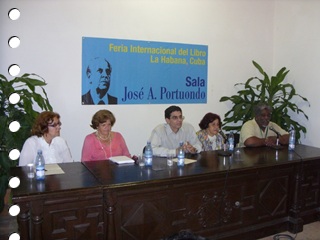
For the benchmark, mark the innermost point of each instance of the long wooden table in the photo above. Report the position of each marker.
(64, 206)
(251, 194)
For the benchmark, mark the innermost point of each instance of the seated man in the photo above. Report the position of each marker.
(165, 138)
(260, 131)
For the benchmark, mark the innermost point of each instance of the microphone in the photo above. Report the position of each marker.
(278, 134)
(275, 131)
(223, 135)
(224, 152)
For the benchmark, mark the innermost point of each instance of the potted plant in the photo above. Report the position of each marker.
(281, 96)
(32, 97)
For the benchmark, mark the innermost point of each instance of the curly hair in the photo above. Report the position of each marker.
(40, 126)
(260, 107)
(208, 118)
(102, 116)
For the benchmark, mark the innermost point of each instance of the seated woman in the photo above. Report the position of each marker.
(45, 136)
(209, 134)
(103, 143)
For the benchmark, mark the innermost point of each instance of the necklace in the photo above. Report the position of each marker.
(102, 147)
(102, 138)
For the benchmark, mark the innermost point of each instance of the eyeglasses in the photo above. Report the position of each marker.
(177, 117)
(55, 124)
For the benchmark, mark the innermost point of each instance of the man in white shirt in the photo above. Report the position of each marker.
(165, 138)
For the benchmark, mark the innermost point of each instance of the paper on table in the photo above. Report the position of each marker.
(121, 159)
(52, 169)
(186, 160)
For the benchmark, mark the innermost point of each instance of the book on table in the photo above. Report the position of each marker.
(121, 159)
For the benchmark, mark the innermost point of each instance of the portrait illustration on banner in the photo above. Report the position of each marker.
(116, 71)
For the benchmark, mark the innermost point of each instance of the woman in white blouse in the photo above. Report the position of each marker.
(45, 136)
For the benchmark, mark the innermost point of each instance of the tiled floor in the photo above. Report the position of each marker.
(310, 232)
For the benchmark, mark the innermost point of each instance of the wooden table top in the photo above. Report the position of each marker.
(76, 176)
(112, 175)
(108, 174)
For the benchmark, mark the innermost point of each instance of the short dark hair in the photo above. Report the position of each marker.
(169, 110)
(102, 116)
(209, 118)
(257, 109)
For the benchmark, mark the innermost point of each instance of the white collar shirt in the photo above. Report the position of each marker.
(56, 152)
(164, 140)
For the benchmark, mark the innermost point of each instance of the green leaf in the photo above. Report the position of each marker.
(258, 67)
(33, 97)
(281, 96)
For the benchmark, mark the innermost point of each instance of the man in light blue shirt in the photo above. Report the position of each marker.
(165, 138)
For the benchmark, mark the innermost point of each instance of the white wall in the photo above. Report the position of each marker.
(297, 46)
(236, 31)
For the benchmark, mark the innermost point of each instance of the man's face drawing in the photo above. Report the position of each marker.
(99, 74)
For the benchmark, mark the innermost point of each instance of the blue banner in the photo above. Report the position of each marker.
(116, 71)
